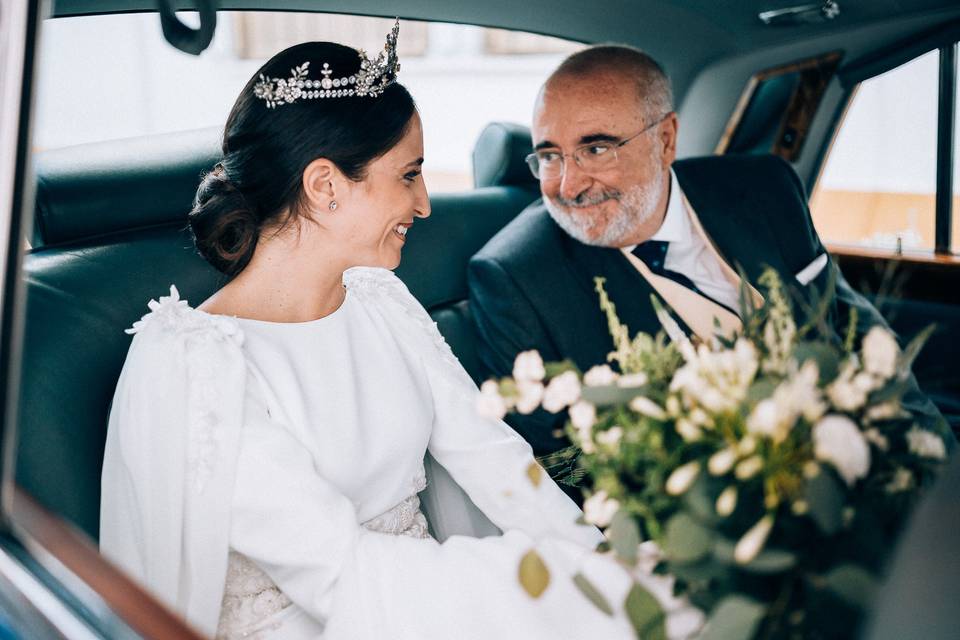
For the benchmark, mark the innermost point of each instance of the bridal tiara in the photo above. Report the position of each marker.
(371, 80)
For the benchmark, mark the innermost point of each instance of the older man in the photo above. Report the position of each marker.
(615, 204)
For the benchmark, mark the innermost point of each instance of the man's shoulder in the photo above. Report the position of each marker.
(734, 171)
(530, 238)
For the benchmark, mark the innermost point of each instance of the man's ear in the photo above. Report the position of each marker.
(320, 180)
(667, 132)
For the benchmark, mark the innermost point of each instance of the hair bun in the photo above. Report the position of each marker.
(225, 228)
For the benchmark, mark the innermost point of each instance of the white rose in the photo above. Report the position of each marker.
(837, 440)
(599, 510)
(843, 393)
(880, 352)
(926, 444)
(753, 540)
(583, 415)
(765, 419)
(528, 367)
(489, 402)
(647, 407)
(599, 376)
(682, 478)
(530, 394)
(563, 391)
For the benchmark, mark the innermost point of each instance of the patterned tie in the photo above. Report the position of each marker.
(653, 253)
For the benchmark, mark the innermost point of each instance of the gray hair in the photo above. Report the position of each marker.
(653, 85)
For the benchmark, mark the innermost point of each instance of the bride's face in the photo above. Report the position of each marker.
(378, 212)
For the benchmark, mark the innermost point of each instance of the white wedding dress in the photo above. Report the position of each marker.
(262, 479)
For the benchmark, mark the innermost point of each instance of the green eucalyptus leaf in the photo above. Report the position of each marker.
(553, 369)
(624, 536)
(534, 575)
(825, 497)
(761, 389)
(825, 355)
(768, 561)
(609, 395)
(734, 618)
(913, 348)
(853, 584)
(645, 614)
(686, 540)
(592, 593)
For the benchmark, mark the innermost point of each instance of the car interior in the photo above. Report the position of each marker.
(108, 228)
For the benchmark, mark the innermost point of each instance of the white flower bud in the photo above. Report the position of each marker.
(489, 403)
(599, 510)
(727, 501)
(563, 391)
(583, 415)
(747, 445)
(722, 461)
(748, 468)
(753, 540)
(926, 444)
(632, 380)
(647, 407)
(529, 396)
(610, 438)
(880, 353)
(837, 440)
(876, 438)
(528, 367)
(599, 376)
(682, 478)
(688, 431)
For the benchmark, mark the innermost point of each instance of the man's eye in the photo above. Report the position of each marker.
(548, 157)
(597, 149)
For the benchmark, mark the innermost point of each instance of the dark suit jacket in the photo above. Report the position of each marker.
(531, 286)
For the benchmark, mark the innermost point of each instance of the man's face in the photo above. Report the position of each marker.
(620, 205)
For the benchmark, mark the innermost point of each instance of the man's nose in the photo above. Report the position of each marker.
(574, 181)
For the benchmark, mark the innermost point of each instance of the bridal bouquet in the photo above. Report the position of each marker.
(768, 473)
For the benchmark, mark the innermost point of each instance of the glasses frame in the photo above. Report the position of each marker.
(533, 160)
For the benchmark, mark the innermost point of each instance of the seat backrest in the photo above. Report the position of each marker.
(110, 233)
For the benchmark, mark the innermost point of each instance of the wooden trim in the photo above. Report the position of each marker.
(128, 600)
(815, 75)
(912, 257)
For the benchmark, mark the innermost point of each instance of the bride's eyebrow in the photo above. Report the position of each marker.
(414, 163)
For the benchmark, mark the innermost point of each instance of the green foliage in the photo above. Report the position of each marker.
(645, 614)
(735, 618)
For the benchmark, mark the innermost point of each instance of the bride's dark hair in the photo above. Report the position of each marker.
(258, 183)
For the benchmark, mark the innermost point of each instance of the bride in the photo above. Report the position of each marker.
(266, 448)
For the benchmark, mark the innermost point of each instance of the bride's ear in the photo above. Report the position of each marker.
(320, 180)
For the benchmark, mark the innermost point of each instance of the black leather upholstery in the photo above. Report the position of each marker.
(499, 156)
(110, 236)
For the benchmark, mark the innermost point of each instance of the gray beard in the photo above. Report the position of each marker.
(635, 207)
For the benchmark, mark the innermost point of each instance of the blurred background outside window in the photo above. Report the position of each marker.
(109, 77)
(878, 183)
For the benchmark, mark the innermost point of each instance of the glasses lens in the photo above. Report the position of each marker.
(534, 163)
(596, 157)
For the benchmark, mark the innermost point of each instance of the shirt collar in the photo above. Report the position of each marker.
(675, 226)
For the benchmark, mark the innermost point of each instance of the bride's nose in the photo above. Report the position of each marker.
(422, 207)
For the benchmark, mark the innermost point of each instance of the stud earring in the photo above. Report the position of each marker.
(333, 205)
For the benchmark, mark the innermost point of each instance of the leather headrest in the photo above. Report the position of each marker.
(109, 187)
(498, 156)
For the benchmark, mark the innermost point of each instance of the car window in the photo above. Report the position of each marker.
(878, 184)
(462, 77)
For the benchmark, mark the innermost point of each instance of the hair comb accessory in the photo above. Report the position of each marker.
(371, 80)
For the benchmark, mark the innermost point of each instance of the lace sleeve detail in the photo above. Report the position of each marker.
(381, 285)
(207, 342)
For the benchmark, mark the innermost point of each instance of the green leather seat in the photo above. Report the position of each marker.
(110, 233)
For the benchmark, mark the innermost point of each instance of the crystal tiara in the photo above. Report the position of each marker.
(371, 80)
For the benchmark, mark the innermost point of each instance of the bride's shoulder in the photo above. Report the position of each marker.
(171, 318)
(382, 288)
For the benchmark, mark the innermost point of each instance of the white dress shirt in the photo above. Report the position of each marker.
(688, 252)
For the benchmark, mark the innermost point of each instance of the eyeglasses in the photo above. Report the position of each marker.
(548, 164)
